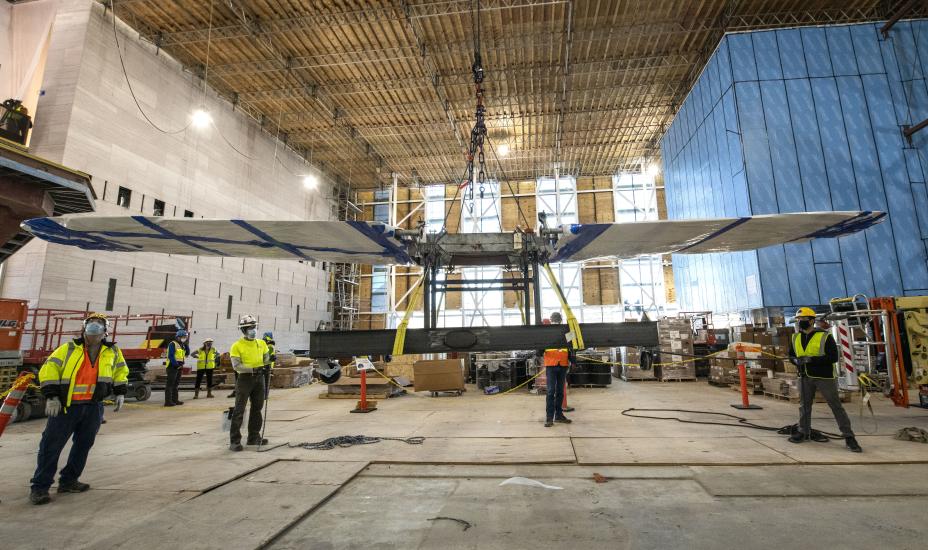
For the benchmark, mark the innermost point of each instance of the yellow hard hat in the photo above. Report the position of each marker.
(100, 317)
(805, 312)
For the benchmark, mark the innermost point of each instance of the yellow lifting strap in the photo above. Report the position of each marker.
(572, 323)
(400, 341)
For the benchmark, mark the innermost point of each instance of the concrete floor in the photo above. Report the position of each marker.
(163, 477)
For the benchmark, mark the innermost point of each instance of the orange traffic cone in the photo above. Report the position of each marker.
(14, 398)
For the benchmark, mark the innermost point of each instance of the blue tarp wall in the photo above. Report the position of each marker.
(805, 119)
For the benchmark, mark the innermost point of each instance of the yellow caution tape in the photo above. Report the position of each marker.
(28, 376)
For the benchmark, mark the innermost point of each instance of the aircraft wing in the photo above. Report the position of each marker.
(628, 240)
(331, 241)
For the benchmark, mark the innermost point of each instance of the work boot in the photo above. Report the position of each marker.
(818, 436)
(852, 444)
(569, 409)
(170, 405)
(72, 487)
(196, 393)
(236, 447)
(209, 394)
(798, 437)
(549, 423)
(178, 402)
(257, 441)
(563, 420)
(231, 395)
(39, 496)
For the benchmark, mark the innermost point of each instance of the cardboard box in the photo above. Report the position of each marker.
(439, 375)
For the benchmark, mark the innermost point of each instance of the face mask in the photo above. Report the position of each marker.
(94, 329)
(805, 324)
(251, 333)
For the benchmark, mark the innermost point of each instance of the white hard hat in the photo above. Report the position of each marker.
(247, 321)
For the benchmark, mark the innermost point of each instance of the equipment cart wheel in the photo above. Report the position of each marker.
(23, 412)
(143, 392)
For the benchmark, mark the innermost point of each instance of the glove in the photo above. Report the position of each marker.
(52, 407)
(120, 399)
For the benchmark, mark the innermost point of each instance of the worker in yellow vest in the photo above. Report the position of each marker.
(251, 359)
(177, 352)
(556, 363)
(207, 359)
(815, 354)
(74, 380)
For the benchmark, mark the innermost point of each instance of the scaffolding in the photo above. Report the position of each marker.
(345, 281)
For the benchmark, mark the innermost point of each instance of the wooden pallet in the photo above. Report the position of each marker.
(678, 379)
(652, 379)
(752, 390)
(781, 397)
(718, 384)
(844, 397)
(354, 396)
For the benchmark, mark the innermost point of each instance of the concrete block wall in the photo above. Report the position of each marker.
(6, 51)
(804, 120)
(92, 124)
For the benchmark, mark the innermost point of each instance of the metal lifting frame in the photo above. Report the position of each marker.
(528, 284)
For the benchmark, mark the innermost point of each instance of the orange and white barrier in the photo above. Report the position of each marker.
(13, 398)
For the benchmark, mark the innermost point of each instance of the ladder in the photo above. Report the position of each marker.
(345, 277)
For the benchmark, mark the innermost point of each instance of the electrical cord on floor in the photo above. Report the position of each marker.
(352, 440)
(741, 421)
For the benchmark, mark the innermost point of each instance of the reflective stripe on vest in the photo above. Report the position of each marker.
(557, 357)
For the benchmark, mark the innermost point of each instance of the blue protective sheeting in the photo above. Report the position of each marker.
(805, 120)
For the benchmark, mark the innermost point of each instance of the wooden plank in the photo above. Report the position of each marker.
(251, 510)
(675, 450)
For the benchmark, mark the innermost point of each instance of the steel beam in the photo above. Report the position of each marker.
(475, 339)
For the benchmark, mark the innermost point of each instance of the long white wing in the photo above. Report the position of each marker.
(333, 241)
(628, 240)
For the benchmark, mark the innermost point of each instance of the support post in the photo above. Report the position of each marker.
(536, 291)
(526, 296)
(434, 290)
(426, 295)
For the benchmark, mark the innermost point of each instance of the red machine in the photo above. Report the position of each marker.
(37, 332)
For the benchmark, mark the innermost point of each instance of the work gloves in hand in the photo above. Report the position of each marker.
(52, 407)
(120, 399)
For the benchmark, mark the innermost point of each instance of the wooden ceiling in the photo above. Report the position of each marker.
(369, 88)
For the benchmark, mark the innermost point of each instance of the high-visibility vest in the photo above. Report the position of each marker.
(815, 348)
(557, 357)
(207, 359)
(252, 353)
(270, 350)
(179, 353)
(85, 381)
(57, 377)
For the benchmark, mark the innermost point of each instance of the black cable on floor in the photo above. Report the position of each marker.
(741, 421)
(352, 440)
